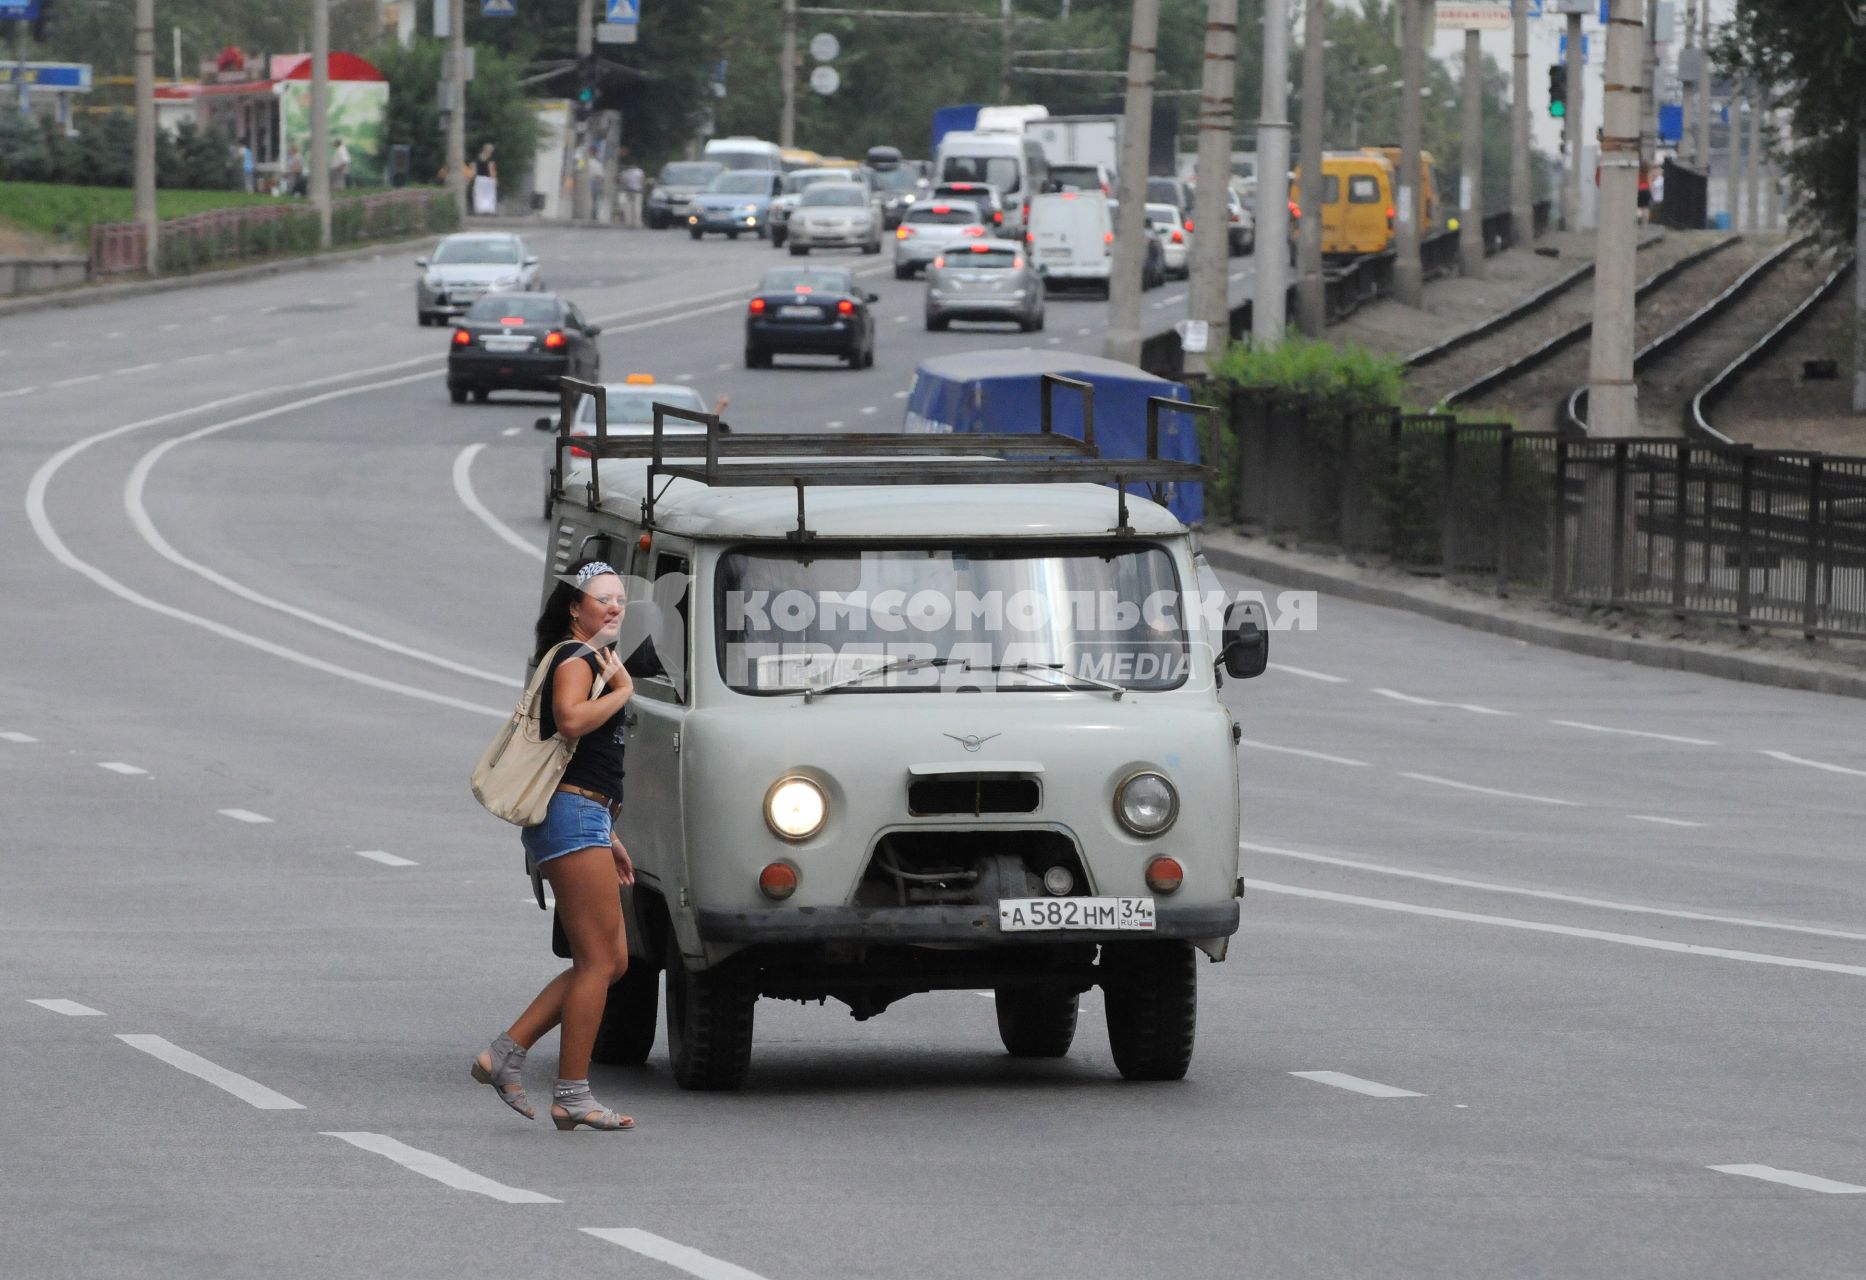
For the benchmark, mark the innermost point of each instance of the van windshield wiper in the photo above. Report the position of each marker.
(1069, 679)
(898, 664)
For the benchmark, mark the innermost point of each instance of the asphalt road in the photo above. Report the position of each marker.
(1543, 971)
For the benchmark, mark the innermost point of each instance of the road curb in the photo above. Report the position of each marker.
(1306, 572)
(86, 295)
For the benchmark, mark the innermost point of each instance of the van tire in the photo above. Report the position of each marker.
(626, 1034)
(1150, 992)
(903, 273)
(709, 1024)
(1036, 1023)
(798, 250)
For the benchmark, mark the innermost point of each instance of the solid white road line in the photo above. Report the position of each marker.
(1789, 1178)
(680, 1256)
(1547, 895)
(386, 859)
(1634, 733)
(49, 538)
(1354, 1084)
(441, 1169)
(1490, 791)
(1568, 931)
(138, 512)
(246, 1090)
(1785, 758)
(1307, 755)
(463, 488)
(243, 815)
(70, 1008)
(1307, 674)
(14, 735)
(117, 766)
(1665, 822)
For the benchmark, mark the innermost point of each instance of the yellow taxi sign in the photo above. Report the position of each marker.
(640, 380)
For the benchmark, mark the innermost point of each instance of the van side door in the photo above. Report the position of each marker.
(652, 825)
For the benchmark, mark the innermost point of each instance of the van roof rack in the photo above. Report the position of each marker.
(724, 459)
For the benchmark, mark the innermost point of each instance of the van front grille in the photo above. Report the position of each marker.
(974, 796)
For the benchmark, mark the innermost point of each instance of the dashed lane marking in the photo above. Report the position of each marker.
(1169, 301)
(1354, 1084)
(1562, 930)
(679, 1256)
(117, 766)
(73, 382)
(14, 735)
(17, 391)
(836, 423)
(1307, 755)
(509, 431)
(1634, 733)
(1415, 700)
(136, 368)
(683, 377)
(1490, 791)
(70, 1008)
(1306, 674)
(441, 1169)
(870, 408)
(1785, 758)
(900, 395)
(244, 815)
(463, 488)
(1083, 333)
(386, 859)
(244, 1088)
(1547, 895)
(1664, 822)
(1789, 1178)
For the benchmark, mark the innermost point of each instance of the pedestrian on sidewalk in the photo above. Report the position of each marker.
(340, 165)
(295, 182)
(485, 183)
(576, 847)
(632, 180)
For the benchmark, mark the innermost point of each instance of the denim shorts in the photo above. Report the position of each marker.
(572, 822)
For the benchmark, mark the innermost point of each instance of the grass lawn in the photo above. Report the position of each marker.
(67, 212)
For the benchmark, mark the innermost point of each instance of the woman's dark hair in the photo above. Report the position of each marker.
(553, 625)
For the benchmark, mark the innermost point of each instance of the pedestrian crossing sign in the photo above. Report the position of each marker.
(624, 11)
(498, 8)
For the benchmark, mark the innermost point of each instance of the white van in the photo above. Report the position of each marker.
(1071, 238)
(1012, 162)
(745, 153)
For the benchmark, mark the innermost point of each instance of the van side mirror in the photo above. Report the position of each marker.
(1247, 643)
(532, 261)
(544, 424)
(421, 262)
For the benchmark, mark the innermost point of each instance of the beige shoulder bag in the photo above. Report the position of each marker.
(520, 770)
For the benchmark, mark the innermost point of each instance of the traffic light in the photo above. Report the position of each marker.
(1558, 90)
(586, 85)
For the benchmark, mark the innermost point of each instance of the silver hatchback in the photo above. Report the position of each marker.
(465, 268)
(984, 280)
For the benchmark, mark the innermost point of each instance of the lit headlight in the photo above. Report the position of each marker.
(795, 808)
(1146, 804)
(748, 208)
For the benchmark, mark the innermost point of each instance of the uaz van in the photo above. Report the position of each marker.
(1011, 162)
(1071, 239)
(912, 713)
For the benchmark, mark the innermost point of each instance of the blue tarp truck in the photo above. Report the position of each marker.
(955, 119)
(999, 391)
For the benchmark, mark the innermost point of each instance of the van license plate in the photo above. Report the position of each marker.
(1029, 915)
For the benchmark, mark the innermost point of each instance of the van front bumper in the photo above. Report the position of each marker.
(974, 924)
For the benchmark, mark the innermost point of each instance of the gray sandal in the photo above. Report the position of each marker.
(502, 1066)
(574, 1098)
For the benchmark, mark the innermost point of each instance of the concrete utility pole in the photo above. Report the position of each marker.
(1859, 277)
(1004, 54)
(1211, 217)
(456, 115)
(1471, 182)
(1752, 196)
(1687, 146)
(787, 76)
(320, 118)
(1704, 78)
(1522, 207)
(1612, 395)
(1130, 246)
(1270, 287)
(1311, 290)
(1571, 130)
(1649, 114)
(586, 45)
(145, 174)
(1733, 181)
(1408, 270)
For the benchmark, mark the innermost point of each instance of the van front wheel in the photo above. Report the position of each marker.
(1034, 1023)
(1150, 990)
(709, 1024)
(626, 1033)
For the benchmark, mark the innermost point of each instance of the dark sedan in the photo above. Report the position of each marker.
(809, 311)
(520, 342)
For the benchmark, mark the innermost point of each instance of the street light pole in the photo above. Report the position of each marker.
(1270, 291)
(1471, 196)
(1522, 211)
(320, 118)
(787, 76)
(586, 46)
(1571, 130)
(1123, 337)
(1311, 290)
(145, 175)
(1612, 395)
(1408, 270)
(1211, 281)
(456, 103)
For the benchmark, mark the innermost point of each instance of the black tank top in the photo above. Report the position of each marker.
(596, 764)
(482, 168)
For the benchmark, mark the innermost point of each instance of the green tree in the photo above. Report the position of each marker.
(497, 110)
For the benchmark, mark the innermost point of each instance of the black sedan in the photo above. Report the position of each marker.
(809, 311)
(520, 342)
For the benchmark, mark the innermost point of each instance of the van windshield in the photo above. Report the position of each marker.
(1000, 171)
(790, 619)
(742, 159)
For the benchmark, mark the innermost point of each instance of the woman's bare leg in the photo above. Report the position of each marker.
(590, 909)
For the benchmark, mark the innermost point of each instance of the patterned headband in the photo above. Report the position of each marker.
(594, 569)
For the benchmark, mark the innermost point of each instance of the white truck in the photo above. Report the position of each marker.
(1079, 140)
